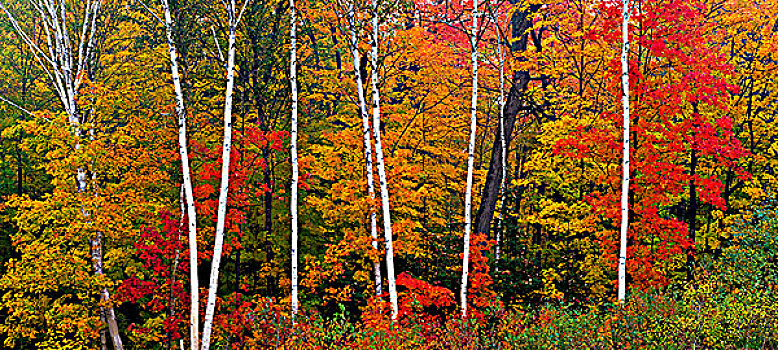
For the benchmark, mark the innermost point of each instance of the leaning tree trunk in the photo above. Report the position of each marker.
(622, 271)
(295, 166)
(366, 137)
(520, 21)
(470, 156)
(194, 317)
(65, 66)
(213, 284)
(381, 167)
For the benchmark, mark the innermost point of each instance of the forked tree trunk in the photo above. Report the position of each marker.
(470, 156)
(65, 66)
(213, 284)
(366, 137)
(381, 166)
(194, 318)
(622, 271)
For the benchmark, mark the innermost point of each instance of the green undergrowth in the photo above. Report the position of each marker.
(732, 305)
(704, 316)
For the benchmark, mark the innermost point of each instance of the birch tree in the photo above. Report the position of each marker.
(295, 166)
(65, 62)
(503, 143)
(470, 154)
(381, 166)
(622, 271)
(351, 14)
(187, 198)
(233, 18)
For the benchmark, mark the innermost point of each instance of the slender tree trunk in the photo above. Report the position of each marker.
(176, 261)
(470, 156)
(268, 216)
(210, 307)
(366, 137)
(691, 215)
(503, 144)
(622, 271)
(97, 258)
(295, 166)
(19, 169)
(194, 317)
(381, 166)
(103, 340)
(107, 310)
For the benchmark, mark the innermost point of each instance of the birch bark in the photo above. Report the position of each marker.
(622, 271)
(470, 156)
(295, 166)
(194, 325)
(503, 143)
(213, 284)
(381, 166)
(366, 138)
(107, 310)
(66, 73)
(109, 316)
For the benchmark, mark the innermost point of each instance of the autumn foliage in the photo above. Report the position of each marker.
(704, 150)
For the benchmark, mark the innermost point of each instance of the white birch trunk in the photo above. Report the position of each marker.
(213, 284)
(105, 297)
(366, 138)
(65, 76)
(103, 340)
(622, 271)
(295, 166)
(503, 159)
(470, 156)
(97, 258)
(177, 259)
(194, 319)
(381, 167)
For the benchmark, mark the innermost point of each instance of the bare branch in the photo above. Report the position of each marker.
(36, 51)
(218, 47)
(89, 42)
(150, 12)
(20, 108)
(82, 38)
(240, 15)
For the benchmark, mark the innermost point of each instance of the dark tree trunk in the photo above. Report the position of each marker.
(520, 22)
(692, 215)
(268, 220)
(19, 169)
(492, 186)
